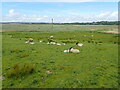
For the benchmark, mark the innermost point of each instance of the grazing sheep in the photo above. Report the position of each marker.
(32, 43)
(92, 35)
(40, 41)
(54, 43)
(71, 50)
(51, 43)
(49, 72)
(51, 36)
(30, 40)
(74, 50)
(66, 51)
(79, 44)
(58, 44)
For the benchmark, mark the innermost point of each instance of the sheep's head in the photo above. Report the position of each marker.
(77, 43)
(70, 49)
(30, 40)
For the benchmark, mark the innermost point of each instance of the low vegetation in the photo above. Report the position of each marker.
(19, 70)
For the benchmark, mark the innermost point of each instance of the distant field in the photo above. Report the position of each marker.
(96, 66)
(48, 27)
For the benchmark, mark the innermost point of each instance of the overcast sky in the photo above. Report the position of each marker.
(59, 11)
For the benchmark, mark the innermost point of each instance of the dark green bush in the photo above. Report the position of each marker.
(35, 81)
(19, 70)
(88, 41)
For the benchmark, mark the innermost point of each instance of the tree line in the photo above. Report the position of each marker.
(75, 23)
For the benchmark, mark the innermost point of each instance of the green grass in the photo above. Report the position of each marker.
(96, 66)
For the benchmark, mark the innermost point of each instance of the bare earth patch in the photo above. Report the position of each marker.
(114, 32)
(7, 30)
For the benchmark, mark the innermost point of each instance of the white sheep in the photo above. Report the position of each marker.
(74, 50)
(79, 44)
(51, 36)
(49, 72)
(92, 35)
(66, 51)
(71, 50)
(51, 43)
(40, 41)
(58, 44)
(30, 40)
(32, 43)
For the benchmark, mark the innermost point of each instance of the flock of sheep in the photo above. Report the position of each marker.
(70, 50)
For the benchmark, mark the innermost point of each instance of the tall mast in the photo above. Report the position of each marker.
(52, 23)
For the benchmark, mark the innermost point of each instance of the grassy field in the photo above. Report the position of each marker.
(56, 28)
(96, 66)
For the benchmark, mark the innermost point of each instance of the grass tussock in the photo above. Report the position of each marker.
(19, 70)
